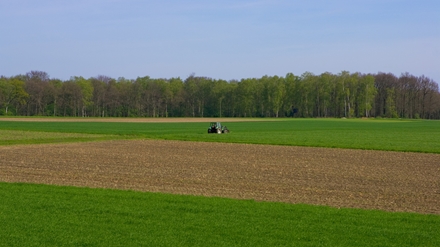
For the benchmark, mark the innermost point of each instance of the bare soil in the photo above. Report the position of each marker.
(391, 181)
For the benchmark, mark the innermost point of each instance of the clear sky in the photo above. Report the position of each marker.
(228, 39)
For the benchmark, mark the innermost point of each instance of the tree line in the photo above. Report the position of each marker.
(326, 95)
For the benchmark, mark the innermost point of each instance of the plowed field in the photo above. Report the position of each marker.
(391, 181)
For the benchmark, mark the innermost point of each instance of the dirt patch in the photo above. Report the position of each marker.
(391, 181)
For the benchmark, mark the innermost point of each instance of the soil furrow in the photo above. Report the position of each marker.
(391, 181)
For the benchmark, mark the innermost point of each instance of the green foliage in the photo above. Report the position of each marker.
(43, 215)
(12, 93)
(393, 135)
(4, 113)
(391, 105)
(86, 93)
(344, 94)
(366, 94)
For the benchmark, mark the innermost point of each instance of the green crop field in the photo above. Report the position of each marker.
(393, 135)
(44, 215)
(10, 137)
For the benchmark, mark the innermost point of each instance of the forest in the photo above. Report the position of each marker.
(350, 95)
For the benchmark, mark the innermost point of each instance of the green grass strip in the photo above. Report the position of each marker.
(10, 137)
(391, 135)
(43, 215)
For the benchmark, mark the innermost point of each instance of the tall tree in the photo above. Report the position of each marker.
(383, 82)
(177, 97)
(307, 94)
(406, 93)
(366, 94)
(323, 89)
(70, 99)
(391, 111)
(246, 93)
(99, 96)
(112, 101)
(327, 95)
(277, 93)
(12, 92)
(290, 82)
(52, 94)
(231, 100)
(86, 87)
(124, 88)
(219, 93)
(36, 85)
(190, 89)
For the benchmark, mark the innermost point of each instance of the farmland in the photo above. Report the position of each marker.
(403, 186)
(387, 135)
(339, 178)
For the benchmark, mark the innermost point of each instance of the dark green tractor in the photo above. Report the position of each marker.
(217, 128)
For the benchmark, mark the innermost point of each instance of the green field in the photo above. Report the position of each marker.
(43, 215)
(10, 137)
(393, 135)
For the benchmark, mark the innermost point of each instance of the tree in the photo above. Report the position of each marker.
(86, 87)
(427, 89)
(12, 92)
(190, 89)
(219, 93)
(323, 89)
(406, 93)
(231, 99)
(246, 94)
(308, 95)
(99, 96)
(36, 86)
(383, 82)
(367, 92)
(391, 104)
(112, 100)
(344, 78)
(53, 91)
(276, 93)
(123, 87)
(431, 103)
(70, 98)
(175, 86)
(203, 87)
(290, 84)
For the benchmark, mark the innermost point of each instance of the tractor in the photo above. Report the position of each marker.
(216, 127)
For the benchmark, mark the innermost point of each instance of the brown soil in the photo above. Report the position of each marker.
(390, 181)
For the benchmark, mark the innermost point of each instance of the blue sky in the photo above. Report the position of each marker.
(218, 39)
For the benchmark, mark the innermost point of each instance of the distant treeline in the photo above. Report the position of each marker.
(325, 95)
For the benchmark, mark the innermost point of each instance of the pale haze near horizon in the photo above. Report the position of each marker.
(218, 39)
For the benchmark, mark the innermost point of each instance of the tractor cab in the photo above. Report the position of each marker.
(216, 127)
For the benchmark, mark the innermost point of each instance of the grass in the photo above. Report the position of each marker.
(391, 135)
(43, 215)
(10, 137)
